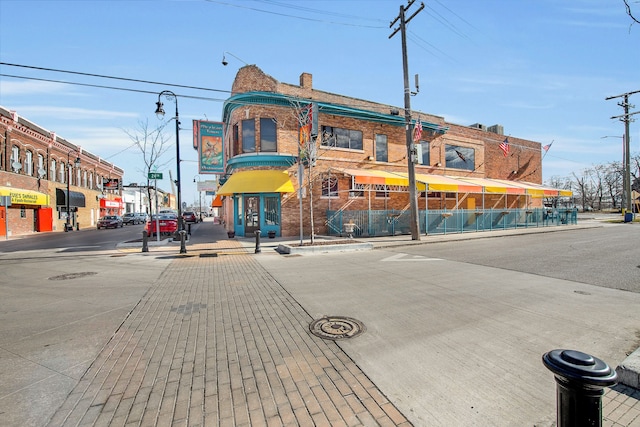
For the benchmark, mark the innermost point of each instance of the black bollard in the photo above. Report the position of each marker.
(580, 380)
(258, 250)
(183, 238)
(145, 241)
(189, 229)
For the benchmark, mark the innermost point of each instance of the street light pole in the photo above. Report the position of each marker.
(67, 225)
(160, 113)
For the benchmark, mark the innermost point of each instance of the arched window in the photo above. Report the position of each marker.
(53, 170)
(15, 159)
(28, 163)
(63, 167)
(42, 172)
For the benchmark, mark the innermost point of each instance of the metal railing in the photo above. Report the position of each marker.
(394, 222)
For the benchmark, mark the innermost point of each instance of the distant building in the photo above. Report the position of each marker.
(37, 166)
(136, 198)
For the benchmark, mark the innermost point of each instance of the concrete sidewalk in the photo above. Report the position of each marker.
(218, 340)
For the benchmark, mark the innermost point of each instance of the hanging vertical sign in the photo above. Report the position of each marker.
(209, 140)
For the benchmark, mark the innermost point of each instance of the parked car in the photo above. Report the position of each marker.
(189, 216)
(109, 221)
(134, 218)
(168, 224)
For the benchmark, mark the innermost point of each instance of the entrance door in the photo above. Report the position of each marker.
(251, 215)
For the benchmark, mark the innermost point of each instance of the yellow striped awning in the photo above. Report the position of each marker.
(447, 184)
(494, 186)
(25, 197)
(257, 181)
(374, 176)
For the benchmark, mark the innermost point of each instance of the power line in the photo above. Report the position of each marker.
(112, 77)
(347, 24)
(106, 87)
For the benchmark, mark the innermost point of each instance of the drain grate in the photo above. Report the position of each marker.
(336, 327)
(73, 275)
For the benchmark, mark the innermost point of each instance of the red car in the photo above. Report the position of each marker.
(168, 224)
(190, 217)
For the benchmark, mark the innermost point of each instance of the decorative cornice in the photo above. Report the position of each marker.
(278, 99)
(272, 160)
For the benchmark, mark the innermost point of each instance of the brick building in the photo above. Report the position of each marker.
(358, 156)
(37, 167)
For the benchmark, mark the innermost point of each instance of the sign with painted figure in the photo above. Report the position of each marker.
(209, 138)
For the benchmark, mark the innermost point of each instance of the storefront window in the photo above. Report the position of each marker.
(271, 210)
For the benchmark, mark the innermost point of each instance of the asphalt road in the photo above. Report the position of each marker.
(73, 241)
(608, 256)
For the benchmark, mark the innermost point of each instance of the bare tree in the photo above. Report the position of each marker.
(152, 143)
(612, 181)
(588, 189)
(562, 183)
(307, 152)
(635, 173)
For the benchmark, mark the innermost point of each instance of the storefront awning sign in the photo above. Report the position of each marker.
(25, 197)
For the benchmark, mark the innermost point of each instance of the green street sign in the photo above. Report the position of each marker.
(155, 175)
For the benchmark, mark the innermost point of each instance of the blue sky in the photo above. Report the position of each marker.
(540, 68)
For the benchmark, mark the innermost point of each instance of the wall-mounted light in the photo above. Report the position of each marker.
(370, 158)
(438, 164)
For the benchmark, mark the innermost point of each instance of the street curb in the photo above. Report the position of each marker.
(629, 370)
(340, 247)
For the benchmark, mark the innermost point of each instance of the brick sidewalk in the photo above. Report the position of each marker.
(216, 341)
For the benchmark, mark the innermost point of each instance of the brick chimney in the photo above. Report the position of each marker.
(306, 81)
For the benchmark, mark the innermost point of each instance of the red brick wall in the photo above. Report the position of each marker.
(39, 141)
(522, 163)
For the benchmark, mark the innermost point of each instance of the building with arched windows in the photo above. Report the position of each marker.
(295, 156)
(41, 174)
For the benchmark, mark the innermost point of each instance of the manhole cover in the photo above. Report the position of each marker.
(336, 327)
(72, 275)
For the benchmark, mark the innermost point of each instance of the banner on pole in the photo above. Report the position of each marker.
(208, 137)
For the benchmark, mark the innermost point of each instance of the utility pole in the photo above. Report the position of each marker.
(411, 152)
(626, 118)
